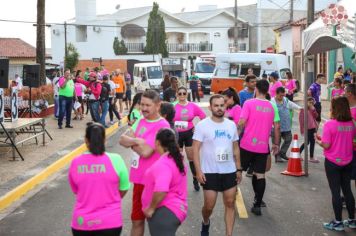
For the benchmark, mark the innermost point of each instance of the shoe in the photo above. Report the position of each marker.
(284, 157)
(112, 122)
(256, 210)
(350, 223)
(333, 225)
(263, 204)
(69, 126)
(313, 160)
(279, 159)
(204, 229)
(60, 127)
(196, 185)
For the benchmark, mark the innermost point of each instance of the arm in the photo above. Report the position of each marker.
(237, 162)
(86, 83)
(62, 82)
(124, 178)
(196, 159)
(294, 106)
(322, 144)
(156, 200)
(72, 184)
(241, 125)
(277, 135)
(127, 139)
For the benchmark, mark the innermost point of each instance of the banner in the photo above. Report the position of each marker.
(14, 104)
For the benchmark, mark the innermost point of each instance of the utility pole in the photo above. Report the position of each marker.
(291, 11)
(308, 76)
(236, 29)
(65, 44)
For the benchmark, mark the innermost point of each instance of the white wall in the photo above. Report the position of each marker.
(286, 44)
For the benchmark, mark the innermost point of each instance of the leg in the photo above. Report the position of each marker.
(287, 140)
(120, 104)
(163, 223)
(346, 190)
(198, 97)
(193, 94)
(111, 114)
(62, 107)
(311, 141)
(137, 216)
(334, 179)
(105, 108)
(210, 197)
(229, 203)
(69, 107)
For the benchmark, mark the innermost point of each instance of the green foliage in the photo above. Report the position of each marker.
(119, 47)
(72, 59)
(156, 33)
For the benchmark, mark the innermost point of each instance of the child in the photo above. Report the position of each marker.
(168, 112)
(312, 127)
(135, 113)
(337, 90)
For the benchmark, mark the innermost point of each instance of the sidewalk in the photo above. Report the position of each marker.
(38, 157)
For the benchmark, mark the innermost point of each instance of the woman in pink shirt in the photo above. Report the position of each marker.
(232, 103)
(337, 90)
(99, 181)
(337, 142)
(164, 198)
(186, 112)
(290, 85)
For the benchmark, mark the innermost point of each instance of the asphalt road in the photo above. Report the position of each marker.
(295, 206)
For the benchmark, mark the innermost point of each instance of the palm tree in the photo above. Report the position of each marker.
(41, 40)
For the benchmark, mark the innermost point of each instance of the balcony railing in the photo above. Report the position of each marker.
(134, 47)
(173, 47)
(190, 47)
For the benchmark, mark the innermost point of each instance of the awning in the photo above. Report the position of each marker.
(132, 30)
(318, 37)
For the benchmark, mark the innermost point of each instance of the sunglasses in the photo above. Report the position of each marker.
(182, 94)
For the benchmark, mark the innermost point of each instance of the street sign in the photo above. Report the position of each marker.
(171, 61)
(14, 104)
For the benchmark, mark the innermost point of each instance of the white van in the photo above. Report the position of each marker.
(147, 76)
(204, 67)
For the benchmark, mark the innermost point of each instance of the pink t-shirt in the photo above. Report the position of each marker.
(234, 113)
(273, 88)
(259, 116)
(353, 114)
(185, 114)
(164, 176)
(290, 85)
(337, 92)
(147, 130)
(96, 181)
(78, 88)
(340, 136)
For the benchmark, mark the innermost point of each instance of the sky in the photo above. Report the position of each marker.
(57, 11)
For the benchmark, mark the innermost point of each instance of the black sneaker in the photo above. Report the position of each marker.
(205, 229)
(263, 204)
(69, 126)
(196, 184)
(60, 127)
(256, 210)
(249, 172)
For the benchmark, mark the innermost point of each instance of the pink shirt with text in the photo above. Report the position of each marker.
(96, 184)
(147, 130)
(259, 117)
(164, 176)
(273, 88)
(337, 92)
(234, 113)
(187, 113)
(340, 136)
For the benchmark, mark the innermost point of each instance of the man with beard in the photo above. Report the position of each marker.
(216, 158)
(141, 139)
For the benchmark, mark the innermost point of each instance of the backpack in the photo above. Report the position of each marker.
(297, 83)
(105, 90)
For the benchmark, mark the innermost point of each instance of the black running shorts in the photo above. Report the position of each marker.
(185, 138)
(220, 182)
(256, 161)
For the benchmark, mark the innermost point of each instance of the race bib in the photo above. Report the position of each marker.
(181, 124)
(135, 160)
(222, 155)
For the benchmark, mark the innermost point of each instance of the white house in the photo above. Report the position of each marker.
(207, 31)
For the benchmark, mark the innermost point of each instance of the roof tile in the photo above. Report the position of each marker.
(16, 48)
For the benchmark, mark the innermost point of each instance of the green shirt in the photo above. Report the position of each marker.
(86, 76)
(121, 170)
(276, 113)
(135, 114)
(67, 90)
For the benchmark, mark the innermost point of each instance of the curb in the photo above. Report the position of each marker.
(15, 194)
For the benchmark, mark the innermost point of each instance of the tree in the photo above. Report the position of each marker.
(72, 58)
(119, 47)
(156, 33)
(41, 40)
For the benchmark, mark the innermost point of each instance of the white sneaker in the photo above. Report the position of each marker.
(112, 122)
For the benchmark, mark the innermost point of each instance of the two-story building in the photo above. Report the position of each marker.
(207, 31)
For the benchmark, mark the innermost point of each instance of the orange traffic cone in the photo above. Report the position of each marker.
(294, 162)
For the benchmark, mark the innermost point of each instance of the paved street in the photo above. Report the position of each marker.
(295, 206)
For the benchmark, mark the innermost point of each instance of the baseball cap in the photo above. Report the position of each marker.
(92, 74)
(274, 75)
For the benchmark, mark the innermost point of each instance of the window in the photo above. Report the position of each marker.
(154, 72)
(204, 67)
(242, 47)
(81, 33)
(323, 63)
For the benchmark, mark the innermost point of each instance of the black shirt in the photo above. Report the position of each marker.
(169, 95)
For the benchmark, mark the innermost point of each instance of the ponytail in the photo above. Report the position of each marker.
(95, 134)
(167, 139)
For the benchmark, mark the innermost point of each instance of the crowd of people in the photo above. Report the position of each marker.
(97, 90)
(242, 133)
